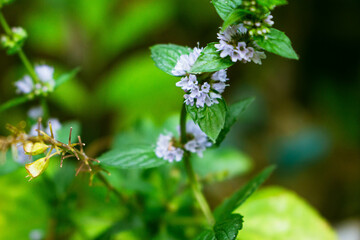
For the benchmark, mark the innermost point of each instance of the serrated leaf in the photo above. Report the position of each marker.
(232, 116)
(239, 197)
(210, 119)
(66, 77)
(14, 102)
(270, 4)
(206, 235)
(210, 60)
(279, 214)
(278, 43)
(237, 15)
(226, 229)
(166, 56)
(136, 157)
(225, 7)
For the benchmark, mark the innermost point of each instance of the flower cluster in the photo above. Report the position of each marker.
(197, 139)
(200, 93)
(169, 148)
(13, 43)
(45, 75)
(233, 44)
(185, 62)
(165, 148)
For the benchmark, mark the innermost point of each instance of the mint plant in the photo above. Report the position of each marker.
(204, 121)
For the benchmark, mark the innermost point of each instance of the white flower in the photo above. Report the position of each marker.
(166, 150)
(24, 85)
(220, 76)
(19, 154)
(241, 48)
(36, 112)
(203, 94)
(230, 44)
(227, 50)
(185, 62)
(268, 20)
(203, 99)
(55, 124)
(232, 32)
(199, 141)
(219, 87)
(187, 83)
(257, 56)
(46, 75)
(36, 234)
(47, 82)
(189, 100)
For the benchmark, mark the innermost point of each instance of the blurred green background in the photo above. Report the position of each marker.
(305, 118)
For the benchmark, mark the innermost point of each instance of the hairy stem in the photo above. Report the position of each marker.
(191, 174)
(21, 53)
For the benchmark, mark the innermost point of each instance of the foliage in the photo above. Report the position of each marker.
(141, 171)
(276, 213)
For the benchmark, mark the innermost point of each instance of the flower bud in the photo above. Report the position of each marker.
(37, 148)
(36, 168)
(13, 42)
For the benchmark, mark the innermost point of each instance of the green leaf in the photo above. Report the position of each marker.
(226, 229)
(270, 4)
(166, 56)
(229, 228)
(206, 235)
(278, 43)
(239, 197)
(237, 15)
(210, 60)
(14, 102)
(210, 119)
(225, 7)
(232, 116)
(222, 163)
(66, 77)
(137, 157)
(274, 213)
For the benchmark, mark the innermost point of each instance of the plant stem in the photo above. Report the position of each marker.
(21, 53)
(28, 66)
(110, 187)
(191, 174)
(5, 25)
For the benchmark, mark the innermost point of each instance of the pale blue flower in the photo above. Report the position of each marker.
(220, 76)
(24, 85)
(185, 62)
(202, 94)
(268, 20)
(45, 74)
(199, 141)
(36, 112)
(166, 150)
(230, 45)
